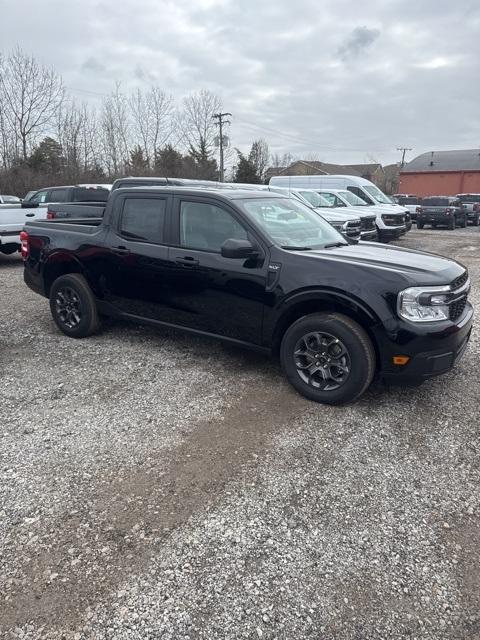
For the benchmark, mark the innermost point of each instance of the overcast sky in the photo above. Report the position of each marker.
(342, 79)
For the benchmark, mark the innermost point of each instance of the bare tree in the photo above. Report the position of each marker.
(115, 130)
(197, 124)
(152, 120)
(32, 93)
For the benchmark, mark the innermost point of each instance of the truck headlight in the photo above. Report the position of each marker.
(424, 304)
(337, 225)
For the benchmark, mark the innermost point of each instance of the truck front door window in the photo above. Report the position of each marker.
(39, 197)
(143, 219)
(206, 227)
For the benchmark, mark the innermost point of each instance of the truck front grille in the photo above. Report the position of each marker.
(367, 224)
(458, 307)
(460, 284)
(460, 281)
(353, 229)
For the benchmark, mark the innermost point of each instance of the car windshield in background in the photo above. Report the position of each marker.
(10, 199)
(435, 202)
(315, 199)
(290, 224)
(352, 199)
(377, 195)
(470, 198)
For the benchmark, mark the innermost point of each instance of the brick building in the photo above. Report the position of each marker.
(442, 173)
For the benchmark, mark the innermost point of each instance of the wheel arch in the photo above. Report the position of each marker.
(60, 264)
(325, 301)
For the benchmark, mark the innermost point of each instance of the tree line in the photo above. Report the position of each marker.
(48, 138)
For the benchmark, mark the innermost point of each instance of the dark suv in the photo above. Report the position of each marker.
(441, 211)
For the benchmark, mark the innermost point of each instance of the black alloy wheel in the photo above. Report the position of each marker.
(73, 306)
(68, 307)
(322, 361)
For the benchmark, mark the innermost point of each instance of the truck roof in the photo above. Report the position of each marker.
(225, 194)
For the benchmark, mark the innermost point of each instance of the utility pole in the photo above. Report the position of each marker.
(219, 117)
(403, 150)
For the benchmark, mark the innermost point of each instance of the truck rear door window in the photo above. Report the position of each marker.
(58, 195)
(143, 219)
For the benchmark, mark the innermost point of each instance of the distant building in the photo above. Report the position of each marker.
(442, 173)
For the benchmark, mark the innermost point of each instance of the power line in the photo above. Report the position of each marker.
(304, 140)
(403, 150)
(219, 117)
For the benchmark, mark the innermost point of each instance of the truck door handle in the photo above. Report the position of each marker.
(187, 261)
(29, 215)
(121, 251)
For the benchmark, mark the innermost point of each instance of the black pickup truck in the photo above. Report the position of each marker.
(261, 270)
(441, 211)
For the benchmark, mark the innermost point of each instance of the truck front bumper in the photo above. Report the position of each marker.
(369, 236)
(432, 349)
(391, 233)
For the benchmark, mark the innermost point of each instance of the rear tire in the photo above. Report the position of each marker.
(476, 221)
(464, 223)
(419, 225)
(328, 358)
(452, 225)
(73, 306)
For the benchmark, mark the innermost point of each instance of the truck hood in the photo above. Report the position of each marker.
(335, 215)
(415, 267)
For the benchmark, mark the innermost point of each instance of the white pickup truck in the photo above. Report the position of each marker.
(13, 217)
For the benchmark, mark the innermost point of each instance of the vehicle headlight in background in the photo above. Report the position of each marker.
(424, 304)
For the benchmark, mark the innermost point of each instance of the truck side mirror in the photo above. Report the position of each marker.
(29, 205)
(233, 248)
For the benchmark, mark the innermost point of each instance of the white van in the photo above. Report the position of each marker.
(391, 219)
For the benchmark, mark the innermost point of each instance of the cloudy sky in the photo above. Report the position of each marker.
(343, 80)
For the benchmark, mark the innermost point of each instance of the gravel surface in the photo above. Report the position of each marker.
(157, 485)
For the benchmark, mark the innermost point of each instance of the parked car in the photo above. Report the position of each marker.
(348, 224)
(258, 270)
(441, 211)
(391, 219)
(471, 204)
(34, 206)
(4, 199)
(410, 202)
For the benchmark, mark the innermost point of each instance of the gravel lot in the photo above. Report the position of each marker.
(156, 485)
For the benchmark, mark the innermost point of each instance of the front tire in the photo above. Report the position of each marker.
(419, 225)
(452, 225)
(73, 306)
(328, 358)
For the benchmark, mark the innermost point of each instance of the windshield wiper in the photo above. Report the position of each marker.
(292, 247)
(336, 244)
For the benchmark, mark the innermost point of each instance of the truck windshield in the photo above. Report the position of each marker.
(404, 200)
(315, 199)
(377, 195)
(435, 202)
(290, 224)
(352, 199)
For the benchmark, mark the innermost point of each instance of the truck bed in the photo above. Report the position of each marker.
(84, 226)
(75, 210)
